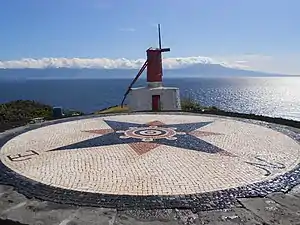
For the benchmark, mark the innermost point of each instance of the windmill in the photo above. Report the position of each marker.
(154, 97)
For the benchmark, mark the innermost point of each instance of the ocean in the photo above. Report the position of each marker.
(272, 96)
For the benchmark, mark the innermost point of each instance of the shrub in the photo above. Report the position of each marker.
(189, 104)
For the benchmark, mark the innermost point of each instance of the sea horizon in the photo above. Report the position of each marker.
(271, 96)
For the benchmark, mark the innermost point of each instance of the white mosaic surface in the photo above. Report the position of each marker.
(164, 170)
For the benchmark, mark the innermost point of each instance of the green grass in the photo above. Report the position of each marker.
(114, 109)
(188, 104)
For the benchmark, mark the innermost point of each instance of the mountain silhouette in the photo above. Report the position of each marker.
(195, 70)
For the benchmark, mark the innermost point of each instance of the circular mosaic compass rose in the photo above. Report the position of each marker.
(151, 133)
(137, 161)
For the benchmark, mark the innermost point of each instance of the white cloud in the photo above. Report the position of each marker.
(72, 63)
(127, 29)
(283, 65)
(169, 63)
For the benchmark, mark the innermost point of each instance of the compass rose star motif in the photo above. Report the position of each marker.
(145, 137)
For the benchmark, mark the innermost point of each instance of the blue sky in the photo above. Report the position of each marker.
(232, 31)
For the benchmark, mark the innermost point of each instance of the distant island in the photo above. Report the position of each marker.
(195, 70)
(21, 112)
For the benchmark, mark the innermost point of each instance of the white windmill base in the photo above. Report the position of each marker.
(148, 99)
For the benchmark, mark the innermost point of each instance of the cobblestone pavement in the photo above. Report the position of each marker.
(171, 166)
(274, 209)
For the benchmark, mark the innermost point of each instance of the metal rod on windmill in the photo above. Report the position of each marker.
(159, 42)
(159, 37)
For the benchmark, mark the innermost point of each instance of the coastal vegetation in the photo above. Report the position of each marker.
(21, 112)
(189, 104)
(114, 109)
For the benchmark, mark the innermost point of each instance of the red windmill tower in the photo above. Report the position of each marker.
(154, 97)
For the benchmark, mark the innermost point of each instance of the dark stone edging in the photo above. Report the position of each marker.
(197, 202)
(10, 222)
(276, 120)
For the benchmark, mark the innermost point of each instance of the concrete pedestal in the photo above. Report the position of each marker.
(141, 99)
